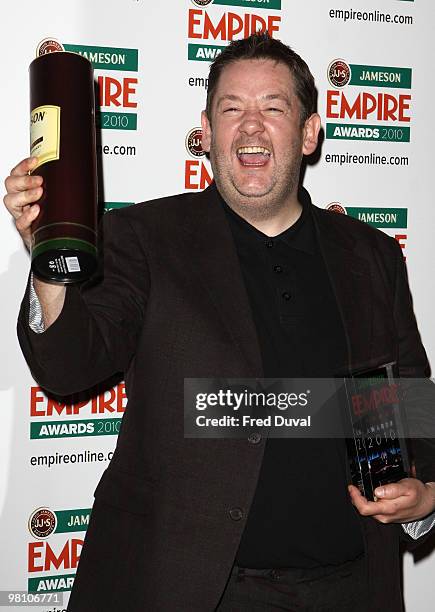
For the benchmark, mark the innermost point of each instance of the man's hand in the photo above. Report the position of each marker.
(22, 190)
(399, 502)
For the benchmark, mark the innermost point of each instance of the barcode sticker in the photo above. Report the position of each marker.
(72, 263)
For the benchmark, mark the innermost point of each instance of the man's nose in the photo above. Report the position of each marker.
(252, 121)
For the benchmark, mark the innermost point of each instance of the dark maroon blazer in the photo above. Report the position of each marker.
(169, 512)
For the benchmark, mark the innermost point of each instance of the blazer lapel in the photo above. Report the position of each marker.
(218, 267)
(350, 279)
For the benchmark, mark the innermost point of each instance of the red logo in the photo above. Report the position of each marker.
(193, 143)
(339, 73)
(48, 45)
(42, 523)
(336, 207)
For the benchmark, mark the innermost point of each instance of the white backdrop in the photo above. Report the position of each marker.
(141, 52)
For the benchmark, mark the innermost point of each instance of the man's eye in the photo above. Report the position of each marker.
(273, 110)
(231, 110)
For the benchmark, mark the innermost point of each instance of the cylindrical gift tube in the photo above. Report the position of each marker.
(62, 136)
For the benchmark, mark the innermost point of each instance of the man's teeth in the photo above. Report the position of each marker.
(263, 150)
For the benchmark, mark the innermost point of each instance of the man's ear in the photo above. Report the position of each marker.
(206, 132)
(310, 134)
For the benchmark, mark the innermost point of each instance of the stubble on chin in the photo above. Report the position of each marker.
(252, 206)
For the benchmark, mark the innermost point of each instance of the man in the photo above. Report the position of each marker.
(246, 279)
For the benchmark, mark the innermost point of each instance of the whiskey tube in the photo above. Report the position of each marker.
(62, 136)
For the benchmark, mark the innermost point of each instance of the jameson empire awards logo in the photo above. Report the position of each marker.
(45, 558)
(117, 95)
(43, 522)
(193, 142)
(368, 102)
(97, 415)
(393, 221)
(196, 174)
(210, 24)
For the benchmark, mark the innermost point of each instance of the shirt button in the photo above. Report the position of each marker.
(236, 514)
(274, 574)
(254, 438)
(277, 269)
(269, 243)
(286, 295)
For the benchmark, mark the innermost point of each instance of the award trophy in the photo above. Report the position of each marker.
(377, 452)
(62, 136)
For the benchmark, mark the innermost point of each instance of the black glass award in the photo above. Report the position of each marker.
(377, 450)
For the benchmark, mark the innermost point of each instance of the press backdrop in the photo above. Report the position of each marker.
(372, 62)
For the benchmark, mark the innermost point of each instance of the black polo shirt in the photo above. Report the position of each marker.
(301, 515)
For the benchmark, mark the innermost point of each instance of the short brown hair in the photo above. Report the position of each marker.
(262, 46)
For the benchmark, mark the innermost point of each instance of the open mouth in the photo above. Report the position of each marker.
(253, 156)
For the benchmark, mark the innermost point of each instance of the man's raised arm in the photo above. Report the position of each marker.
(22, 191)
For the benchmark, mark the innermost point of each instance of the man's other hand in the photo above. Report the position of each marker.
(399, 502)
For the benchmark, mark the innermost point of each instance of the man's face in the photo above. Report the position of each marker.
(255, 137)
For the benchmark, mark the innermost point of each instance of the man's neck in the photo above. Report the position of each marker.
(275, 223)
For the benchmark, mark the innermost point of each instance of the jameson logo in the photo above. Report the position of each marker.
(357, 110)
(377, 217)
(336, 207)
(340, 74)
(43, 522)
(262, 4)
(196, 173)
(380, 217)
(211, 27)
(107, 58)
(48, 45)
(193, 143)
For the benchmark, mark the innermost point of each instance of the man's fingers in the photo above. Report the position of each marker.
(403, 501)
(407, 487)
(391, 491)
(22, 182)
(23, 222)
(369, 508)
(25, 166)
(363, 506)
(22, 189)
(16, 202)
(372, 508)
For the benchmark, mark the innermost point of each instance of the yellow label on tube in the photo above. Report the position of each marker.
(45, 133)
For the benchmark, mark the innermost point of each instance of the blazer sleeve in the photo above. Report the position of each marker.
(96, 334)
(414, 371)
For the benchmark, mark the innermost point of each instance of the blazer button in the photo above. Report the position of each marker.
(236, 514)
(254, 438)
